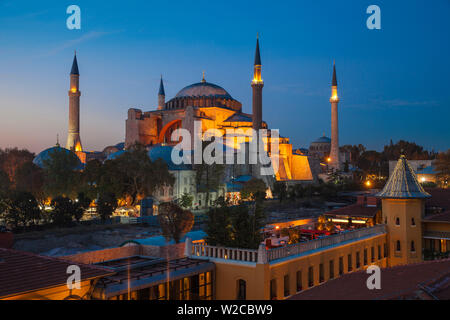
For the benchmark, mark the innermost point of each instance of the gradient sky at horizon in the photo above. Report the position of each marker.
(393, 83)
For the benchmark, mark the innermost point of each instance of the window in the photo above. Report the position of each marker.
(379, 252)
(372, 254)
(397, 221)
(349, 261)
(331, 269)
(299, 281)
(413, 222)
(385, 250)
(365, 257)
(413, 247)
(241, 289)
(341, 265)
(321, 273)
(310, 276)
(286, 285)
(397, 247)
(273, 289)
(358, 260)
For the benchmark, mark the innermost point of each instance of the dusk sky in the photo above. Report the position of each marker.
(393, 83)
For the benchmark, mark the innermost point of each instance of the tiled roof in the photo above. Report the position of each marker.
(355, 210)
(398, 282)
(239, 117)
(440, 198)
(22, 272)
(403, 183)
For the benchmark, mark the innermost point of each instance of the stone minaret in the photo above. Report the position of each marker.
(161, 95)
(73, 137)
(334, 100)
(257, 85)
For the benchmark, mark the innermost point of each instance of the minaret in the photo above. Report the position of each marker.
(73, 137)
(334, 100)
(161, 95)
(257, 85)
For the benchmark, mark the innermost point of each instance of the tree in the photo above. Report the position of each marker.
(12, 159)
(208, 177)
(186, 200)
(174, 221)
(81, 204)
(63, 211)
(134, 176)
(21, 209)
(106, 204)
(91, 178)
(442, 166)
(30, 178)
(61, 176)
(280, 190)
(253, 189)
(219, 224)
(5, 183)
(247, 222)
(410, 150)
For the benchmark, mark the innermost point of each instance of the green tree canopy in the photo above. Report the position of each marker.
(175, 222)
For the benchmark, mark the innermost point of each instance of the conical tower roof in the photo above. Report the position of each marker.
(161, 88)
(257, 55)
(75, 66)
(334, 80)
(403, 183)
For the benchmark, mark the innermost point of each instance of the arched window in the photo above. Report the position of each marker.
(241, 290)
(398, 246)
(413, 222)
(413, 247)
(397, 221)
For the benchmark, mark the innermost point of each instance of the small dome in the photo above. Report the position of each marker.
(45, 155)
(115, 155)
(165, 153)
(323, 139)
(203, 89)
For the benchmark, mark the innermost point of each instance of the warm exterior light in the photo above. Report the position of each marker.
(277, 227)
(73, 90)
(423, 179)
(328, 159)
(368, 183)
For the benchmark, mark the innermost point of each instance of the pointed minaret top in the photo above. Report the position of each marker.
(57, 140)
(257, 55)
(75, 65)
(334, 81)
(161, 91)
(403, 183)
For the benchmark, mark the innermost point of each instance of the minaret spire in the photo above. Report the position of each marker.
(257, 86)
(161, 95)
(73, 137)
(203, 77)
(334, 100)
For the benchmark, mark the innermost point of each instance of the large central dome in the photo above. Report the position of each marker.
(203, 89)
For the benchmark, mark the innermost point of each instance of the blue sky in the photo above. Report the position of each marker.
(393, 83)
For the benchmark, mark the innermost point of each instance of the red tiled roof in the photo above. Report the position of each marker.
(355, 210)
(397, 282)
(22, 272)
(440, 198)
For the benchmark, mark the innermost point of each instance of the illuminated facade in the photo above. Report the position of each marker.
(215, 109)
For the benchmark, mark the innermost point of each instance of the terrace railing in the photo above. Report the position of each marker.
(213, 252)
(298, 248)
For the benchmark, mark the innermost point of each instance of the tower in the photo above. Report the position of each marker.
(257, 86)
(161, 95)
(73, 137)
(403, 206)
(334, 100)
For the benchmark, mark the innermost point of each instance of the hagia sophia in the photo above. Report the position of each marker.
(215, 108)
